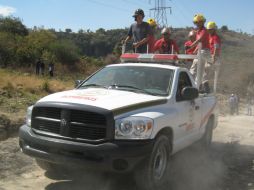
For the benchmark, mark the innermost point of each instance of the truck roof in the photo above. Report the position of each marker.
(148, 64)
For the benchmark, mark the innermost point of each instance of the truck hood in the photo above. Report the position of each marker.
(109, 99)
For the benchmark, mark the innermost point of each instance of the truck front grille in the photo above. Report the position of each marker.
(74, 124)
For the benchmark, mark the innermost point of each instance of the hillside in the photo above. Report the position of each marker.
(81, 53)
(238, 63)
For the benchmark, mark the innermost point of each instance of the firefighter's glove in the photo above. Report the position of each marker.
(123, 42)
(213, 59)
(135, 45)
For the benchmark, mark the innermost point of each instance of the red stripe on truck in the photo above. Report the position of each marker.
(165, 57)
(203, 121)
(130, 55)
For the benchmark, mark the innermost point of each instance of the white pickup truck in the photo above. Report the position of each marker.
(125, 117)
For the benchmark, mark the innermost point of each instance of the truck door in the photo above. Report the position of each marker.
(189, 113)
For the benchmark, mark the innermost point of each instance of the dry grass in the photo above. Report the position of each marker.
(237, 63)
(31, 83)
(20, 90)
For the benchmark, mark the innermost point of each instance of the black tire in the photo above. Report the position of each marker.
(206, 140)
(153, 172)
(48, 166)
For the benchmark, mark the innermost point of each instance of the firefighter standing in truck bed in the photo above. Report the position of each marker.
(202, 36)
(215, 48)
(140, 32)
(152, 39)
(166, 45)
(192, 38)
(190, 51)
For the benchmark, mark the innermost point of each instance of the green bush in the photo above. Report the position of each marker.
(46, 86)
(65, 52)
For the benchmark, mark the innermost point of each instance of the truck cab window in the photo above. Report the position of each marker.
(183, 81)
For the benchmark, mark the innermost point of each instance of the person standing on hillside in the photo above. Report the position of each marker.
(237, 100)
(37, 67)
(166, 45)
(42, 67)
(215, 49)
(202, 37)
(249, 104)
(140, 32)
(232, 104)
(51, 69)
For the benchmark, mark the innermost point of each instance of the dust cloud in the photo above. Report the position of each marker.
(191, 169)
(197, 169)
(227, 166)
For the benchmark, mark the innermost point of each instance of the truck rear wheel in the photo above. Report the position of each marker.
(153, 173)
(206, 140)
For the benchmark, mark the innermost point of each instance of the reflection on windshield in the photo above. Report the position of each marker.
(150, 80)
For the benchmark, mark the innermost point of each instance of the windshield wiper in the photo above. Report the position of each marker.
(92, 85)
(116, 86)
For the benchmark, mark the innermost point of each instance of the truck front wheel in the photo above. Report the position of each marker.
(153, 172)
(47, 165)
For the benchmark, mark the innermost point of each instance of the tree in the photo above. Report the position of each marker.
(7, 49)
(12, 25)
(68, 30)
(224, 28)
(40, 40)
(65, 51)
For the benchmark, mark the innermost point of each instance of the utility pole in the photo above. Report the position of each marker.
(160, 12)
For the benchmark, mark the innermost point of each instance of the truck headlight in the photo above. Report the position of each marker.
(29, 116)
(133, 128)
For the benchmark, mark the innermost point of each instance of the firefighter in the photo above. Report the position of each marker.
(215, 48)
(140, 32)
(202, 38)
(232, 104)
(166, 45)
(192, 38)
(152, 39)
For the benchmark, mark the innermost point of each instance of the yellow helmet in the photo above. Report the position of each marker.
(211, 25)
(199, 18)
(151, 22)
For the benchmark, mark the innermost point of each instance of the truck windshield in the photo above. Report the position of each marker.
(147, 80)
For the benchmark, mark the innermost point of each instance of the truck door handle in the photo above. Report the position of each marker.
(197, 107)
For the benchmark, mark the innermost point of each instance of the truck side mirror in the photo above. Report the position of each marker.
(77, 83)
(189, 93)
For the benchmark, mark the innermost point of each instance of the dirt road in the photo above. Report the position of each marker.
(229, 166)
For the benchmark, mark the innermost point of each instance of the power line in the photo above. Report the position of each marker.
(109, 5)
(160, 12)
(186, 13)
(184, 18)
(137, 3)
(186, 8)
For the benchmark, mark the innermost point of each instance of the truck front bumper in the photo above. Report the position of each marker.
(116, 156)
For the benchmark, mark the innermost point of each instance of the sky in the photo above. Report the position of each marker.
(112, 14)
